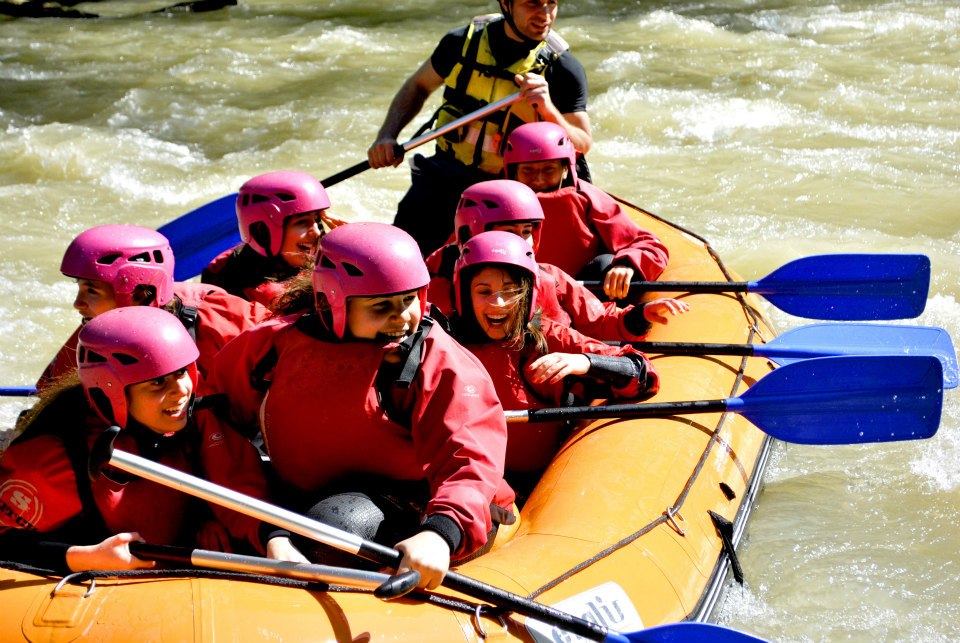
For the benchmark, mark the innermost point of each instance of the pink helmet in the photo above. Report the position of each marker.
(496, 247)
(367, 259)
(124, 346)
(125, 256)
(271, 198)
(498, 201)
(542, 141)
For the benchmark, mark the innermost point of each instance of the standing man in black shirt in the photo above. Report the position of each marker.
(489, 59)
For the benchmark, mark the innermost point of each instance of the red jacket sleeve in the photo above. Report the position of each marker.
(460, 434)
(622, 236)
(568, 340)
(588, 314)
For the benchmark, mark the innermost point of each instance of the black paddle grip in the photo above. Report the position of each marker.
(398, 585)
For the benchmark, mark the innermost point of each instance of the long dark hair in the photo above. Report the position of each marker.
(520, 332)
(61, 403)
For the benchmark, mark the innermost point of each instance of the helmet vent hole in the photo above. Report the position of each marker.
(326, 263)
(491, 204)
(258, 198)
(126, 360)
(92, 357)
(106, 260)
(143, 257)
(352, 270)
(285, 196)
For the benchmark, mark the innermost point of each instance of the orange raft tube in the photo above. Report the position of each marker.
(622, 528)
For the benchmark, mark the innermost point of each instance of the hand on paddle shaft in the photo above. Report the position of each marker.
(841, 287)
(103, 454)
(200, 235)
(831, 400)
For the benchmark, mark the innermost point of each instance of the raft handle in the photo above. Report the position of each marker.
(478, 626)
(670, 513)
(69, 578)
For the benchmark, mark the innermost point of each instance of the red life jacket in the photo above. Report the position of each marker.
(531, 446)
(39, 491)
(311, 443)
(324, 417)
(213, 317)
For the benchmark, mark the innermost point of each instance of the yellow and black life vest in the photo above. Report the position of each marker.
(475, 81)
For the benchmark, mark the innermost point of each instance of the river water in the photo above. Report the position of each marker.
(777, 129)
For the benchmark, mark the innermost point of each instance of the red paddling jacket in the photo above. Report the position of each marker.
(48, 503)
(531, 446)
(324, 415)
(211, 315)
(583, 222)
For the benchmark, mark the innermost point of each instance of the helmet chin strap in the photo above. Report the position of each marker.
(508, 17)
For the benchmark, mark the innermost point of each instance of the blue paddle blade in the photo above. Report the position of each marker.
(202, 234)
(847, 400)
(686, 632)
(846, 287)
(828, 340)
(17, 391)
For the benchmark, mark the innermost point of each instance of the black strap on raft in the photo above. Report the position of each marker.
(725, 531)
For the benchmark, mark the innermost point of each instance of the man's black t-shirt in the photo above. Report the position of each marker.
(566, 77)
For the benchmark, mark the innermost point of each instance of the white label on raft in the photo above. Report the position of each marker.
(606, 605)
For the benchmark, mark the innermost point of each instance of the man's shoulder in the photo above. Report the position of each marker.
(567, 63)
(454, 38)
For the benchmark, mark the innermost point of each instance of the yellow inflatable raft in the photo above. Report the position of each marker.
(624, 528)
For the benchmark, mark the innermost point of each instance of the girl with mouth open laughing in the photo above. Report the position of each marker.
(534, 362)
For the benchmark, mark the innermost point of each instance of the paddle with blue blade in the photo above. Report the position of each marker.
(103, 453)
(840, 287)
(829, 400)
(202, 234)
(17, 391)
(832, 340)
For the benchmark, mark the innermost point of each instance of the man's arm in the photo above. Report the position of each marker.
(536, 91)
(408, 102)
